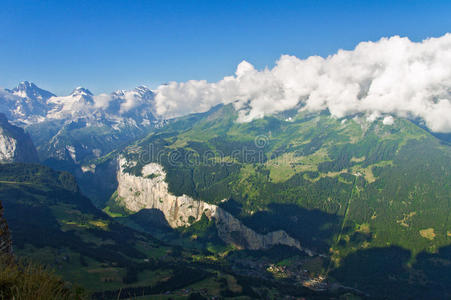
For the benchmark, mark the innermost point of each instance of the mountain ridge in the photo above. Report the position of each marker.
(344, 187)
(69, 130)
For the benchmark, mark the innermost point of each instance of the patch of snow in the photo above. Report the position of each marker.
(388, 120)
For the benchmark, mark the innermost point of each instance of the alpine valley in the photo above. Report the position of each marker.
(126, 203)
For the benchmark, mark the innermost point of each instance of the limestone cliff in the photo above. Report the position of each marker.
(5, 238)
(15, 144)
(150, 191)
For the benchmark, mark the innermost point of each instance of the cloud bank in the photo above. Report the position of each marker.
(392, 77)
(127, 100)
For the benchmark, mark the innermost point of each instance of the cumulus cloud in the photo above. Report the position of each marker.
(393, 76)
(131, 100)
(127, 100)
(102, 101)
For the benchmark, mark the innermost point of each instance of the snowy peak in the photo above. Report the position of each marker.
(143, 90)
(27, 89)
(81, 91)
(137, 103)
(70, 120)
(25, 85)
(79, 103)
(140, 91)
(25, 103)
(146, 94)
(28, 104)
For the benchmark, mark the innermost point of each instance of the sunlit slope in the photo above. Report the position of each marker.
(344, 184)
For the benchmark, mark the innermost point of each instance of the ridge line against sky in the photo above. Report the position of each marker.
(110, 45)
(390, 77)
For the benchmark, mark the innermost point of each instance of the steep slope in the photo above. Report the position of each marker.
(340, 187)
(15, 144)
(150, 191)
(52, 223)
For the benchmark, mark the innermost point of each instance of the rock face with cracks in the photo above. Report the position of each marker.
(150, 191)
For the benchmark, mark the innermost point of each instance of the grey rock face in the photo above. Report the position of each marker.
(151, 192)
(15, 144)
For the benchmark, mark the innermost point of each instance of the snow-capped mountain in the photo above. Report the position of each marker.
(27, 89)
(78, 104)
(81, 125)
(25, 103)
(29, 104)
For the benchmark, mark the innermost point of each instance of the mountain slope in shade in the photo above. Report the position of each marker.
(5, 238)
(15, 144)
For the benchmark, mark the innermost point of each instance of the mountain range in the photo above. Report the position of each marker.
(69, 130)
(296, 199)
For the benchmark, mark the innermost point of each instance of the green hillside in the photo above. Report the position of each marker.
(343, 187)
(53, 224)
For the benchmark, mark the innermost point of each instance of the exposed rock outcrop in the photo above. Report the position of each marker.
(150, 191)
(15, 144)
(5, 238)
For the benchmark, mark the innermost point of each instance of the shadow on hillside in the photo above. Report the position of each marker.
(151, 219)
(384, 273)
(313, 228)
(35, 218)
(97, 186)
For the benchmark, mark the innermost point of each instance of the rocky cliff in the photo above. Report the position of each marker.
(5, 239)
(15, 144)
(150, 191)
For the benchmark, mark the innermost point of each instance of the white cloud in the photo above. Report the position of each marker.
(127, 100)
(131, 100)
(102, 101)
(391, 76)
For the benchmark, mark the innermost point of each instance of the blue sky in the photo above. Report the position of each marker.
(109, 45)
